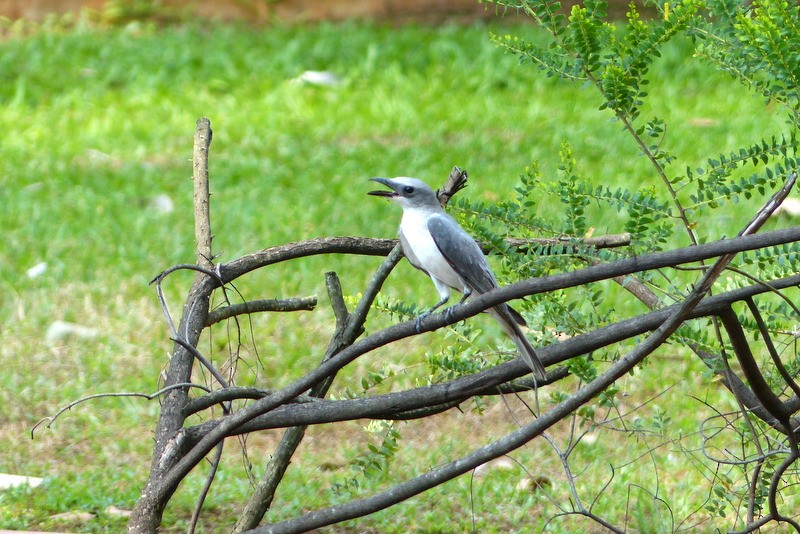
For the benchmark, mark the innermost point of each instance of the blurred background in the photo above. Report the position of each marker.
(262, 11)
(308, 99)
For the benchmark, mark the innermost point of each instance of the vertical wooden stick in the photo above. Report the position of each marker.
(202, 211)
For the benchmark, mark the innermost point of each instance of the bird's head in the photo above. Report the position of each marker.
(408, 192)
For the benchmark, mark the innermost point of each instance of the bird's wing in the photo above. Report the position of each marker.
(412, 258)
(462, 253)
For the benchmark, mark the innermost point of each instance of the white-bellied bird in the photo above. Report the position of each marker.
(435, 243)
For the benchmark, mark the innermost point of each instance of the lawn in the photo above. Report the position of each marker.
(98, 125)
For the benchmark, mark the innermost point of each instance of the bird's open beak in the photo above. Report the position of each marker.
(383, 193)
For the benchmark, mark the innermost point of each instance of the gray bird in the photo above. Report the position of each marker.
(436, 244)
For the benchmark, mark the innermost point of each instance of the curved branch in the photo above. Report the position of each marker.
(364, 246)
(773, 352)
(758, 384)
(203, 360)
(370, 246)
(232, 393)
(162, 300)
(149, 396)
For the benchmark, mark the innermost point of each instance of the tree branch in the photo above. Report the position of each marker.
(202, 195)
(149, 396)
(398, 405)
(370, 246)
(758, 384)
(264, 305)
(773, 352)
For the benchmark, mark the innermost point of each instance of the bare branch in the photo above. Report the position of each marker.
(202, 211)
(468, 309)
(369, 246)
(264, 305)
(149, 508)
(187, 266)
(148, 396)
(500, 447)
(348, 328)
(776, 359)
(206, 487)
(203, 360)
(160, 292)
(176, 453)
(758, 384)
(323, 245)
(219, 396)
(455, 183)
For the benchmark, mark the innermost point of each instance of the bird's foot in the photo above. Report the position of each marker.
(418, 321)
(448, 313)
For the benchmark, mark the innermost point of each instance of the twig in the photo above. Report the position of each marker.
(776, 359)
(769, 400)
(563, 458)
(202, 211)
(232, 393)
(636, 287)
(202, 359)
(148, 396)
(160, 292)
(359, 315)
(301, 249)
(454, 183)
(162, 300)
(265, 305)
(187, 266)
(206, 487)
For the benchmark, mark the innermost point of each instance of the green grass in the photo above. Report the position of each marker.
(99, 122)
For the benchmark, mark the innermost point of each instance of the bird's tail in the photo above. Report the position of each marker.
(503, 316)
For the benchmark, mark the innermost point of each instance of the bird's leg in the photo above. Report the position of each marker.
(423, 315)
(448, 313)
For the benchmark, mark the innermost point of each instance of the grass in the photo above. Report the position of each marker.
(98, 123)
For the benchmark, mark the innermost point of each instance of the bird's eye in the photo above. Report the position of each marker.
(408, 190)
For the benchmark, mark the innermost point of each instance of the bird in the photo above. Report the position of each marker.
(436, 244)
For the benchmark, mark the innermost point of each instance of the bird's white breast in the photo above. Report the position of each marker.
(414, 226)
